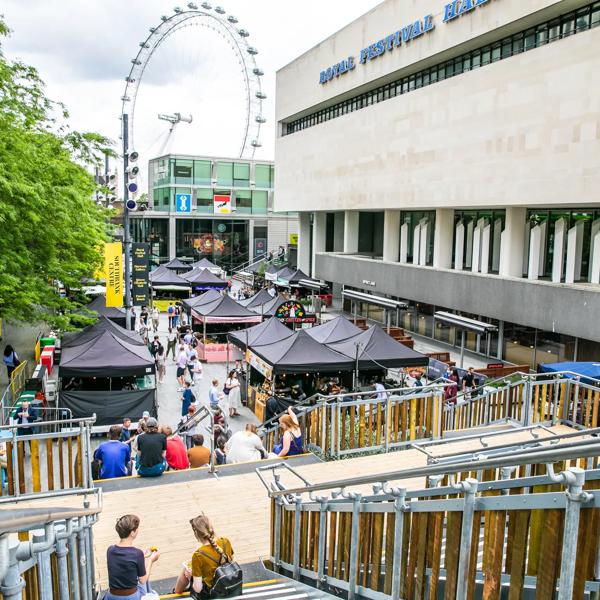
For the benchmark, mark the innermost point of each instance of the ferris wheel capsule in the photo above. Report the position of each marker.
(206, 5)
(258, 72)
(220, 10)
(252, 50)
(178, 9)
(261, 95)
(192, 6)
(243, 33)
(232, 19)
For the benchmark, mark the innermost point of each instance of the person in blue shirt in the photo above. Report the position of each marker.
(114, 456)
(187, 398)
(125, 435)
(213, 394)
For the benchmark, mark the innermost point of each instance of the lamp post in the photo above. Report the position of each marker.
(126, 235)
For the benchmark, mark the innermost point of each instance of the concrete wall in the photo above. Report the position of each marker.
(524, 131)
(571, 310)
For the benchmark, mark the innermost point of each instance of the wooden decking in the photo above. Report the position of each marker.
(238, 505)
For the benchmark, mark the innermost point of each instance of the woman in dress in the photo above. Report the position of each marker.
(245, 446)
(234, 393)
(11, 360)
(161, 363)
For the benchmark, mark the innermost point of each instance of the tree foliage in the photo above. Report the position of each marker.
(52, 231)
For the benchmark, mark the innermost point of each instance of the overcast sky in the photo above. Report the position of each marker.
(83, 51)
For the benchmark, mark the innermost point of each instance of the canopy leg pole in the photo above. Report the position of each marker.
(388, 318)
(204, 331)
(227, 342)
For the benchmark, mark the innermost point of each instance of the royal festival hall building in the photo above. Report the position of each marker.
(448, 154)
(215, 208)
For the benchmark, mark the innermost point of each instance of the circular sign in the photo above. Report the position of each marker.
(132, 187)
(221, 228)
(131, 204)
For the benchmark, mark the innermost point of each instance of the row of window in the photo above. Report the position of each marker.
(549, 31)
(181, 171)
(244, 201)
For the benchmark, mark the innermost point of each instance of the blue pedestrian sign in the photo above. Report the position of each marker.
(183, 203)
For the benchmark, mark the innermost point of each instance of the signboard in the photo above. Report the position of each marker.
(293, 239)
(294, 312)
(113, 267)
(259, 364)
(183, 203)
(222, 204)
(260, 247)
(140, 260)
(402, 37)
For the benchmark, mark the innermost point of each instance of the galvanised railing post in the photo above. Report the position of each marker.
(332, 444)
(297, 532)
(277, 531)
(338, 420)
(565, 415)
(574, 478)
(323, 426)
(15, 464)
(469, 487)
(322, 545)
(399, 495)
(12, 584)
(353, 560)
(386, 440)
(81, 551)
(89, 544)
(63, 569)
(556, 402)
(527, 401)
(74, 565)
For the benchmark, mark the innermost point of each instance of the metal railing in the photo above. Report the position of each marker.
(357, 423)
(507, 526)
(52, 554)
(47, 464)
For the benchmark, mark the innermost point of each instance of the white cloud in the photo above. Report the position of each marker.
(83, 51)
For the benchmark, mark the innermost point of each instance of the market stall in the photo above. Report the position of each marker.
(204, 263)
(76, 338)
(98, 307)
(205, 298)
(259, 299)
(203, 279)
(267, 332)
(178, 266)
(223, 311)
(103, 373)
(335, 330)
(167, 283)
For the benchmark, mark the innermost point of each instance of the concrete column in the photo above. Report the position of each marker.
(424, 245)
(512, 243)
(172, 238)
(351, 232)
(338, 232)
(574, 253)
(484, 267)
(404, 243)
(460, 247)
(469, 244)
(476, 253)
(558, 255)
(391, 235)
(594, 272)
(319, 236)
(250, 240)
(535, 250)
(416, 244)
(443, 238)
(497, 235)
(304, 258)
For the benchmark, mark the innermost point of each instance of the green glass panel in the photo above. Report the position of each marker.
(225, 173)
(262, 176)
(202, 172)
(259, 202)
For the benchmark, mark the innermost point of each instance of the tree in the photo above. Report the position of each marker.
(52, 231)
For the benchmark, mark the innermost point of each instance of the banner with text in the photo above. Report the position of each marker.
(140, 260)
(113, 267)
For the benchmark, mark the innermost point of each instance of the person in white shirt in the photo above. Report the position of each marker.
(244, 446)
(182, 361)
(380, 389)
(155, 316)
(171, 342)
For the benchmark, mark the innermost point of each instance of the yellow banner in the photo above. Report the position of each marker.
(113, 267)
(293, 239)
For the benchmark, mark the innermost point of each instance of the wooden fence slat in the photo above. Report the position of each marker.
(389, 552)
(36, 476)
(50, 463)
(420, 566)
(332, 543)
(493, 554)
(21, 466)
(453, 527)
(10, 469)
(549, 558)
(518, 560)
(412, 555)
(435, 558)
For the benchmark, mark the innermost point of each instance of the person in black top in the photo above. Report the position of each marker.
(152, 449)
(128, 567)
(468, 382)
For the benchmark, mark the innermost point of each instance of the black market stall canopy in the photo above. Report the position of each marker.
(277, 273)
(204, 263)
(267, 332)
(298, 353)
(164, 278)
(107, 355)
(224, 310)
(177, 265)
(336, 330)
(295, 279)
(98, 306)
(205, 298)
(77, 338)
(204, 279)
(262, 297)
(376, 349)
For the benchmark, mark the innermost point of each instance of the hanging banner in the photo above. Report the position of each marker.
(222, 204)
(140, 261)
(259, 364)
(113, 267)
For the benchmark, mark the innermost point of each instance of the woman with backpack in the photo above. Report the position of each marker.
(11, 360)
(211, 572)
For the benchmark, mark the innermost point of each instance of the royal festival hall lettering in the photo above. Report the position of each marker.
(406, 34)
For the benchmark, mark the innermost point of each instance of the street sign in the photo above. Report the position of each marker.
(183, 203)
(140, 255)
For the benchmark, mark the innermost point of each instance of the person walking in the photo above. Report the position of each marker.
(155, 316)
(171, 342)
(192, 358)
(128, 567)
(213, 394)
(233, 392)
(11, 360)
(187, 399)
(161, 363)
(171, 314)
(176, 316)
(181, 367)
(199, 575)
(114, 456)
(451, 390)
(190, 426)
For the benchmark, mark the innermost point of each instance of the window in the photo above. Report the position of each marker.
(202, 172)
(243, 202)
(262, 176)
(204, 201)
(241, 174)
(225, 174)
(259, 202)
(182, 171)
(544, 33)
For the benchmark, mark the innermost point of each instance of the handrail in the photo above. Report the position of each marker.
(84, 420)
(20, 519)
(583, 449)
